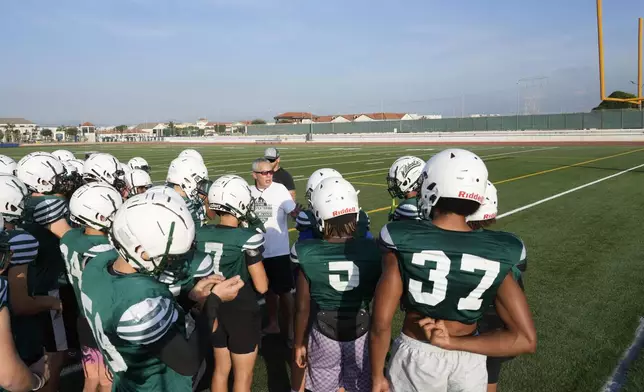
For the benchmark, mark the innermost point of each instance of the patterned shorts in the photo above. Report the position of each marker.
(333, 364)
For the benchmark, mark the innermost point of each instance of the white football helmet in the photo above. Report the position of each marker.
(159, 226)
(489, 208)
(41, 172)
(63, 155)
(187, 173)
(139, 163)
(103, 167)
(94, 205)
(167, 192)
(317, 177)
(403, 176)
(7, 165)
(73, 166)
(13, 194)
(333, 197)
(192, 154)
(138, 181)
(452, 173)
(231, 194)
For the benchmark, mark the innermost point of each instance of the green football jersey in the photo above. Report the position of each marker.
(127, 313)
(49, 266)
(341, 276)
(78, 249)
(199, 266)
(407, 209)
(197, 211)
(450, 275)
(229, 247)
(305, 220)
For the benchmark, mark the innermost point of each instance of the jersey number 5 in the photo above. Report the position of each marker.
(438, 276)
(353, 275)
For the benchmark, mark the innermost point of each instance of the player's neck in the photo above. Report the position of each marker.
(92, 231)
(451, 222)
(411, 195)
(123, 267)
(9, 226)
(228, 220)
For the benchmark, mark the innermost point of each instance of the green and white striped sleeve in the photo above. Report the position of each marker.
(147, 321)
(50, 210)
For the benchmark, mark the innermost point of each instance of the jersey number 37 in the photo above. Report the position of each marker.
(438, 276)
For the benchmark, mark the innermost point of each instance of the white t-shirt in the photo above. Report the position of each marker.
(272, 206)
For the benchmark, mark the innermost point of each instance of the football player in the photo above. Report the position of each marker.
(446, 276)
(15, 375)
(138, 181)
(338, 275)
(103, 167)
(139, 163)
(483, 218)
(186, 175)
(45, 219)
(236, 251)
(92, 207)
(402, 183)
(305, 222)
(7, 165)
(26, 307)
(135, 319)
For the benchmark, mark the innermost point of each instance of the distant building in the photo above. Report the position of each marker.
(87, 131)
(28, 130)
(295, 117)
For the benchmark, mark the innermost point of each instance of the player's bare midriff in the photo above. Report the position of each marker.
(413, 330)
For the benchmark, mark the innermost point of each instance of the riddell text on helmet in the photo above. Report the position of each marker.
(471, 196)
(489, 216)
(344, 211)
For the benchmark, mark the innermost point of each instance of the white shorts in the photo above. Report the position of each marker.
(417, 366)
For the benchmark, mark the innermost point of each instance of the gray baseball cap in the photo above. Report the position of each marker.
(271, 153)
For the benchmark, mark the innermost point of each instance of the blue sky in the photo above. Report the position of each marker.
(128, 61)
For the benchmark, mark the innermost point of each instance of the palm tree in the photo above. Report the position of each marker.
(171, 127)
(9, 132)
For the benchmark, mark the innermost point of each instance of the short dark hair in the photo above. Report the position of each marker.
(475, 225)
(340, 226)
(456, 206)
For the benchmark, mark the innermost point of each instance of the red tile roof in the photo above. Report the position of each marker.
(87, 124)
(294, 116)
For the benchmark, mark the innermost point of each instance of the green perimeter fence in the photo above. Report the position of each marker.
(604, 119)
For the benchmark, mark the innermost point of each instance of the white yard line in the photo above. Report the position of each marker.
(536, 203)
(618, 378)
(374, 163)
(519, 152)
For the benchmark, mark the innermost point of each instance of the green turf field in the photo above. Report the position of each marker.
(585, 279)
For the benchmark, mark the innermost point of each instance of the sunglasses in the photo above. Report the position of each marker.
(271, 160)
(265, 172)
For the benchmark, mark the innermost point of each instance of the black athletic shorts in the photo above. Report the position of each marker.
(85, 335)
(280, 276)
(239, 323)
(494, 368)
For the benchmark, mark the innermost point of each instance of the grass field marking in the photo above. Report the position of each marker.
(618, 378)
(536, 203)
(567, 166)
(518, 152)
(492, 157)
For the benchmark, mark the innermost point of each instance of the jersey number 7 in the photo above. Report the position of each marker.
(438, 276)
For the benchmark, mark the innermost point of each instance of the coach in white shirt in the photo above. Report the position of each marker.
(273, 205)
